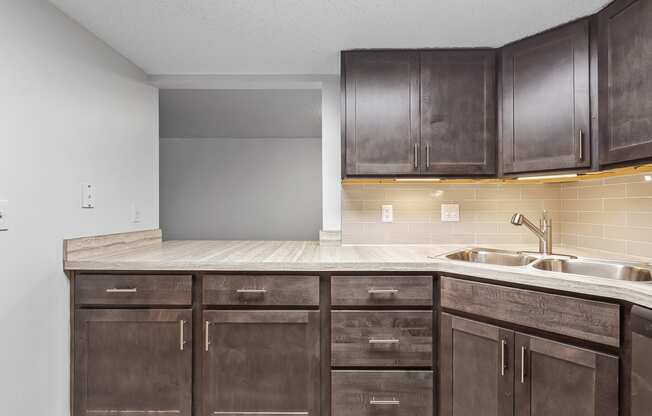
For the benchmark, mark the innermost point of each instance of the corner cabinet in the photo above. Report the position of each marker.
(546, 101)
(495, 371)
(411, 113)
(625, 85)
(381, 112)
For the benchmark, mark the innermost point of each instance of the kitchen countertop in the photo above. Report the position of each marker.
(310, 256)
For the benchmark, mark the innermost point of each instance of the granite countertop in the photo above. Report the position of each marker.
(310, 256)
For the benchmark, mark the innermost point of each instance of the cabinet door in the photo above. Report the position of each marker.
(641, 392)
(133, 361)
(476, 368)
(265, 362)
(545, 101)
(625, 85)
(562, 380)
(458, 112)
(381, 112)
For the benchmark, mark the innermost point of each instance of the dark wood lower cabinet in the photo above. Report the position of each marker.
(562, 380)
(136, 362)
(395, 393)
(476, 360)
(487, 370)
(641, 372)
(261, 361)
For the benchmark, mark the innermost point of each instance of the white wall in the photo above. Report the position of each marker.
(331, 154)
(71, 111)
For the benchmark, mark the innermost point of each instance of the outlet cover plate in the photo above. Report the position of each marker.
(450, 212)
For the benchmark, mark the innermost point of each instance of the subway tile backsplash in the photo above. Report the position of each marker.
(613, 215)
(485, 211)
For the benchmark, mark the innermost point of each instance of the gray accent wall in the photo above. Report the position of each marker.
(240, 113)
(240, 172)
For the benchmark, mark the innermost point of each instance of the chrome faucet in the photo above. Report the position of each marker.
(544, 233)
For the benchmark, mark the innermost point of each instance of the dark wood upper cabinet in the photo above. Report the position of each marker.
(266, 362)
(625, 84)
(458, 112)
(476, 368)
(545, 101)
(133, 361)
(563, 380)
(641, 367)
(381, 112)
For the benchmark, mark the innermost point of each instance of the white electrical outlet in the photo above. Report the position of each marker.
(135, 213)
(450, 212)
(88, 195)
(4, 222)
(387, 214)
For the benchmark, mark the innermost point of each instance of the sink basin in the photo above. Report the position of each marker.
(611, 270)
(488, 256)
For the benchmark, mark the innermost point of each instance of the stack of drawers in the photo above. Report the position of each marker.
(382, 345)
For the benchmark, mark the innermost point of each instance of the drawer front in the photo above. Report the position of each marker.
(381, 290)
(387, 338)
(370, 393)
(261, 290)
(579, 318)
(106, 289)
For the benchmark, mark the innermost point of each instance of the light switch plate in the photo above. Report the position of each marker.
(387, 213)
(450, 212)
(87, 195)
(4, 222)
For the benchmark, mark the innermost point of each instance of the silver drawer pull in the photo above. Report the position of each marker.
(116, 290)
(374, 291)
(384, 341)
(393, 402)
(251, 291)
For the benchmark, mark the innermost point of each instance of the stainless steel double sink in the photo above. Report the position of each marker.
(635, 272)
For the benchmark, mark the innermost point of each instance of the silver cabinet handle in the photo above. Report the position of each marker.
(374, 291)
(503, 360)
(427, 156)
(523, 351)
(393, 402)
(251, 291)
(182, 340)
(581, 133)
(384, 341)
(416, 156)
(207, 341)
(116, 290)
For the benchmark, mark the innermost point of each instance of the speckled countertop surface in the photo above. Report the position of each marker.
(309, 256)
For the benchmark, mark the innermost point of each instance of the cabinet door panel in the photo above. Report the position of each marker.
(641, 393)
(476, 365)
(563, 380)
(261, 361)
(381, 112)
(133, 361)
(545, 107)
(625, 64)
(458, 115)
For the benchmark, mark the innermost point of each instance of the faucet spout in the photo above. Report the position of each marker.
(544, 234)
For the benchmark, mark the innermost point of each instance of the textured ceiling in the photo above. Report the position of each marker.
(303, 36)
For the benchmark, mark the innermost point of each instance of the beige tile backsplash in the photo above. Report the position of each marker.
(612, 215)
(485, 211)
